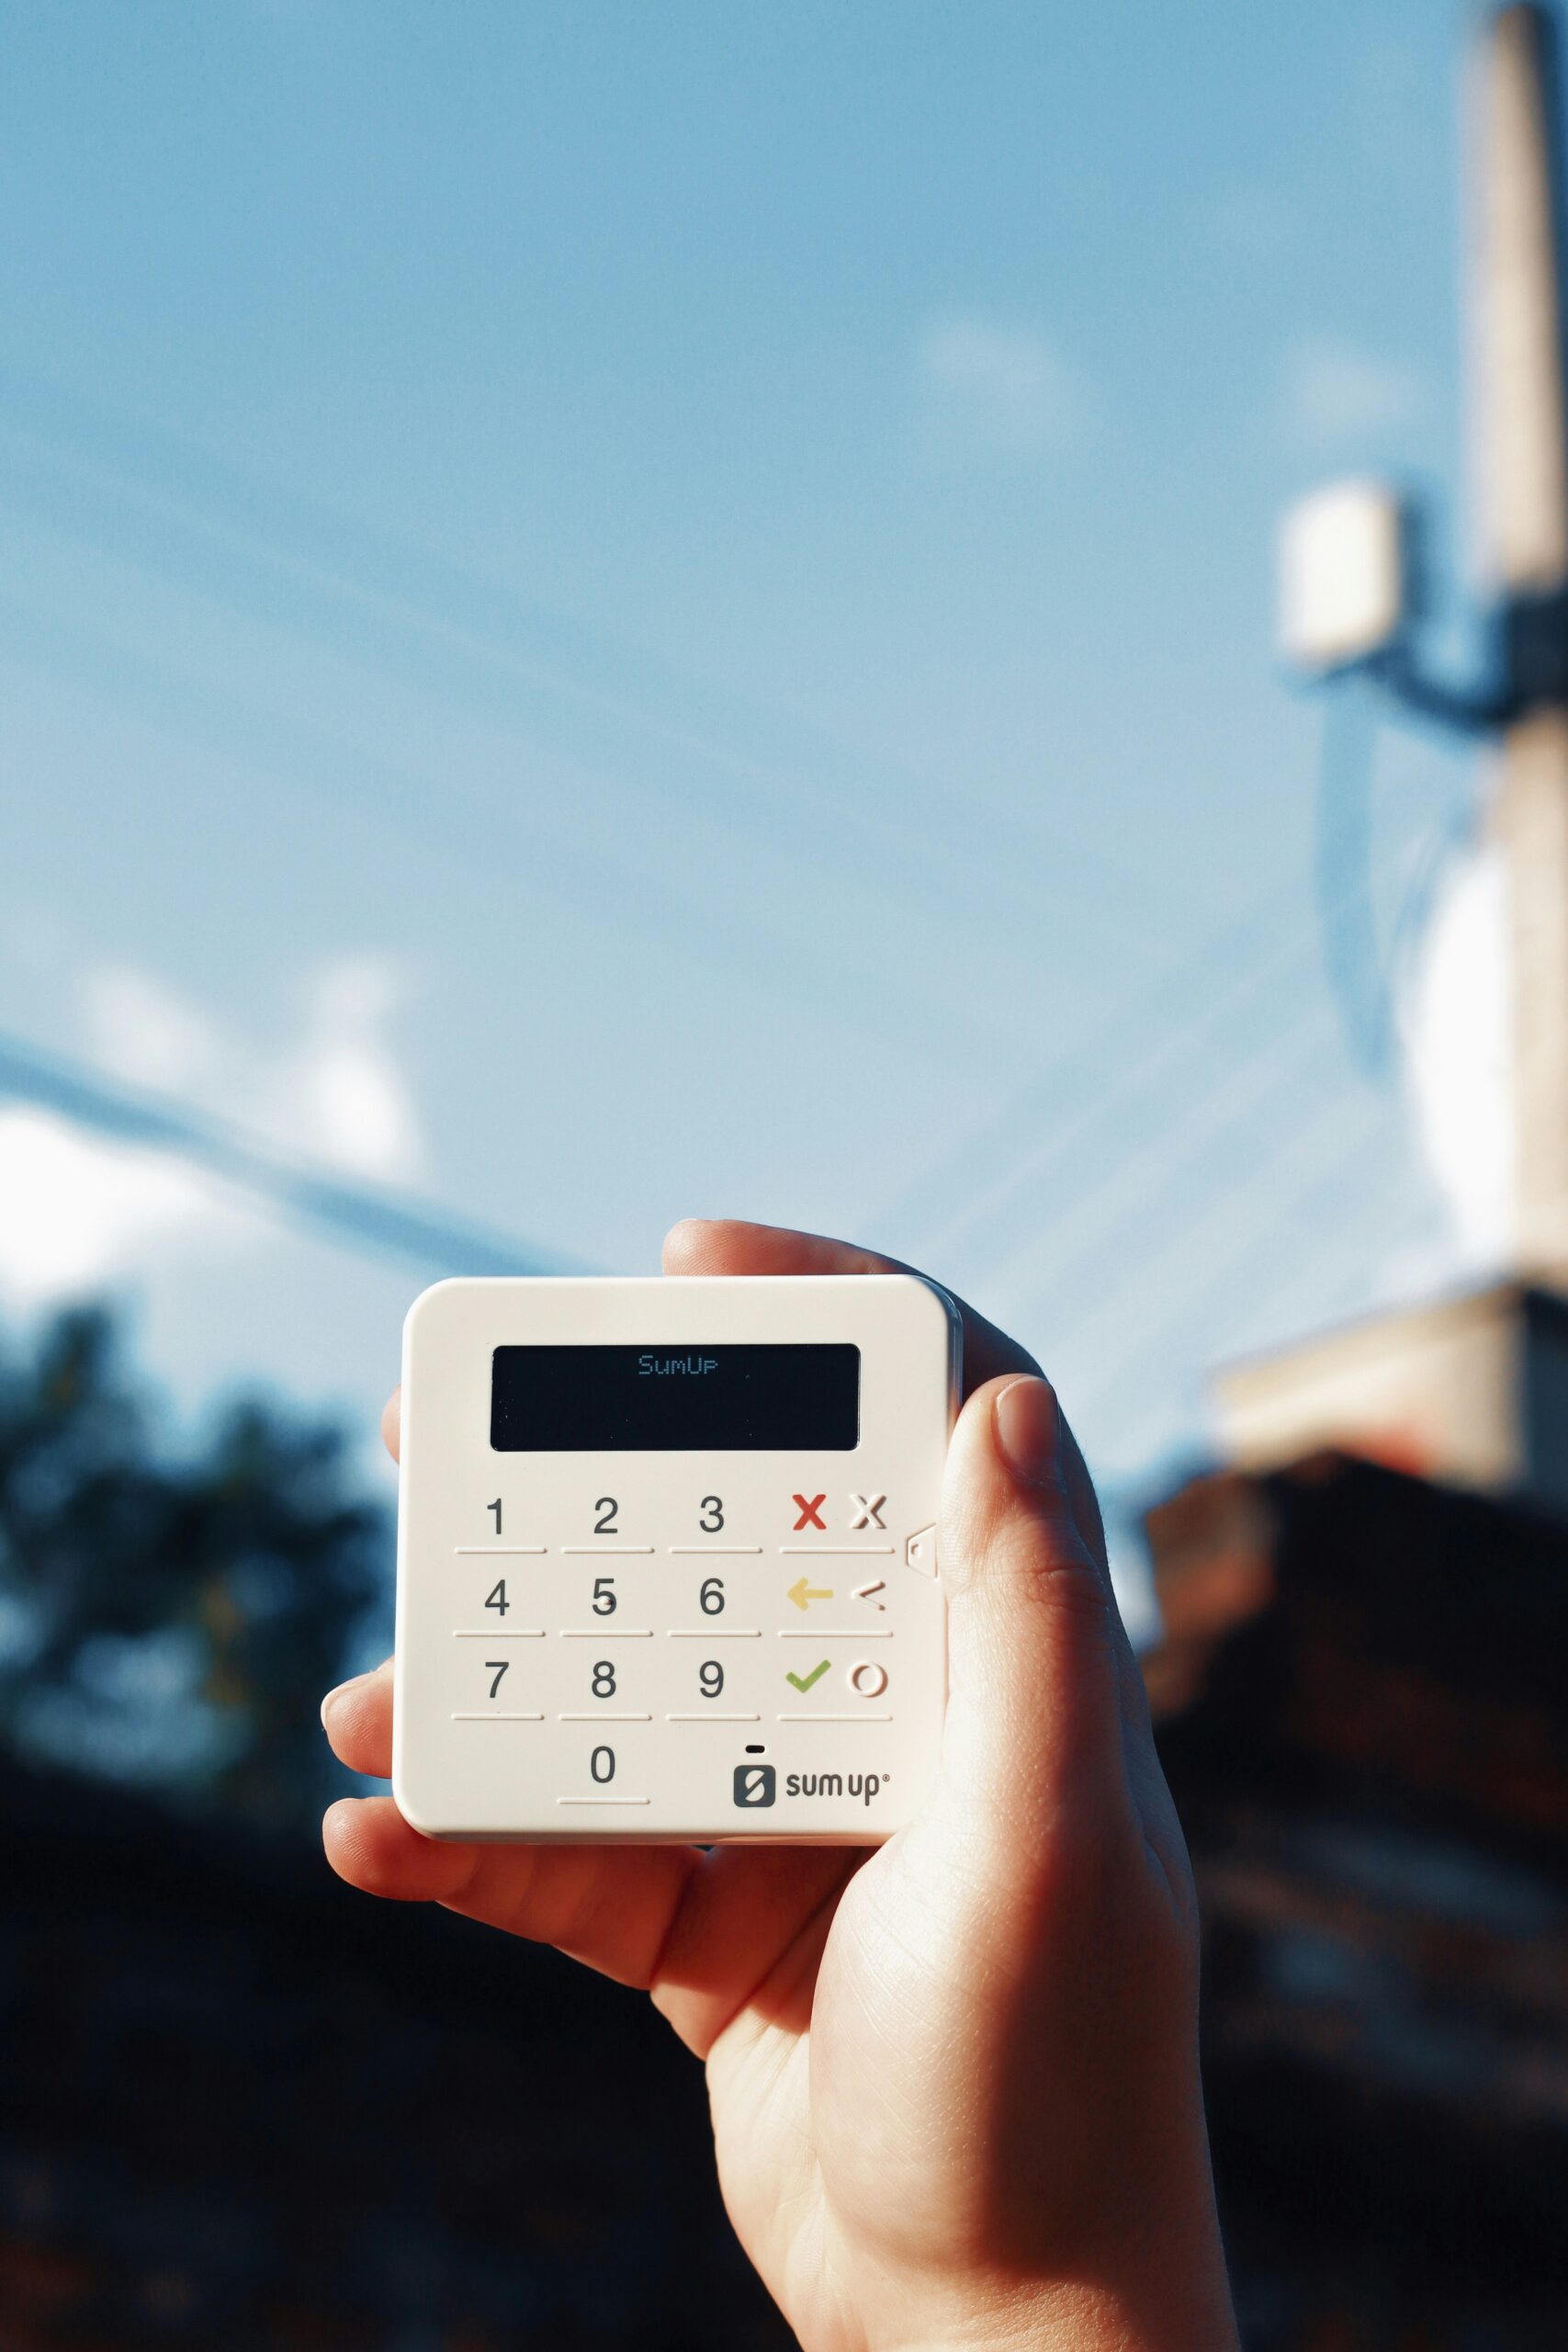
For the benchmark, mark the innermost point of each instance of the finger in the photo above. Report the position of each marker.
(743, 1907)
(610, 1907)
(1037, 1653)
(392, 1424)
(729, 1246)
(745, 1913)
(357, 1720)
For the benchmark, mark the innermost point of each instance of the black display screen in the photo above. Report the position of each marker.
(716, 1397)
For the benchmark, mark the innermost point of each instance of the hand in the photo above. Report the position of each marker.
(953, 2081)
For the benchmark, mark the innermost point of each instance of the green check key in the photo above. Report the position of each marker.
(803, 1682)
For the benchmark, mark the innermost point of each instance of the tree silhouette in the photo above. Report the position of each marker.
(172, 1621)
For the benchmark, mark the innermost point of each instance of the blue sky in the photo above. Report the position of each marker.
(612, 612)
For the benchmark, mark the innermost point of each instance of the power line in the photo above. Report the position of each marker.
(1189, 1152)
(1271, 1058)
(1129, 1027)
(394, 1224)
(497, 619)
(1260, 1247)
(1361, 965)
(307, 758)
(1104, 1402)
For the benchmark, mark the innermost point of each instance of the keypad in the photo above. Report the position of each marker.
(606, 1633)
(720, 1631)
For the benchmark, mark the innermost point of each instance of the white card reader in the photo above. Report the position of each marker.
(667, 1557)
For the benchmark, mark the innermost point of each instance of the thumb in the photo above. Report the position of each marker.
(1036, 1650)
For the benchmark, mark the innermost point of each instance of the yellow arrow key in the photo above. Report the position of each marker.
(803, 1594)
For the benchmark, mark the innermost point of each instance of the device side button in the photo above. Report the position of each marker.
(919, 1551)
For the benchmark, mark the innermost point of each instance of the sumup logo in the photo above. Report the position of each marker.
(755, 1784)
(863, 1785)
(758, 1785)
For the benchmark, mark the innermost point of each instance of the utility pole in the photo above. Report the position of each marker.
(1521, 430)
(1349, 605)
(1469, 1389)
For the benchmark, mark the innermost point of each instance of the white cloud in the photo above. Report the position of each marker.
(75, 1212)
(78, 1212)
(342, 1097)
(1455, 1021)
(1333, 392)
(1005, 389)
(145, 1033)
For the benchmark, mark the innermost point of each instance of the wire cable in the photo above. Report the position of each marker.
(394, 1224)
(1144, 1029)
(1098, 1248)
(1344, 1180)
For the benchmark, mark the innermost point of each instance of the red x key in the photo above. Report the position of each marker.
(809, 1511)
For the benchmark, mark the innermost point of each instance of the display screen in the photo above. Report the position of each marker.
(716, 1397)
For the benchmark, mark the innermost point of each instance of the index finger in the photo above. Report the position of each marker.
(730, 1245)
(735, 1245)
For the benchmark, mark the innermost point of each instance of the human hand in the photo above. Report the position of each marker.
(953, 2080)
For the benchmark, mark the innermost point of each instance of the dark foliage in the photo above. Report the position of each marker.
(172, 1620)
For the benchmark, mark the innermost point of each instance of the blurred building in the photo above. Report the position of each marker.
(241, 2107)
(1363, 1714)
(1471, 1390)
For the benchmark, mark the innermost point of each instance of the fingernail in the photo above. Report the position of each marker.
(330, 1702)
(1029, 1430)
